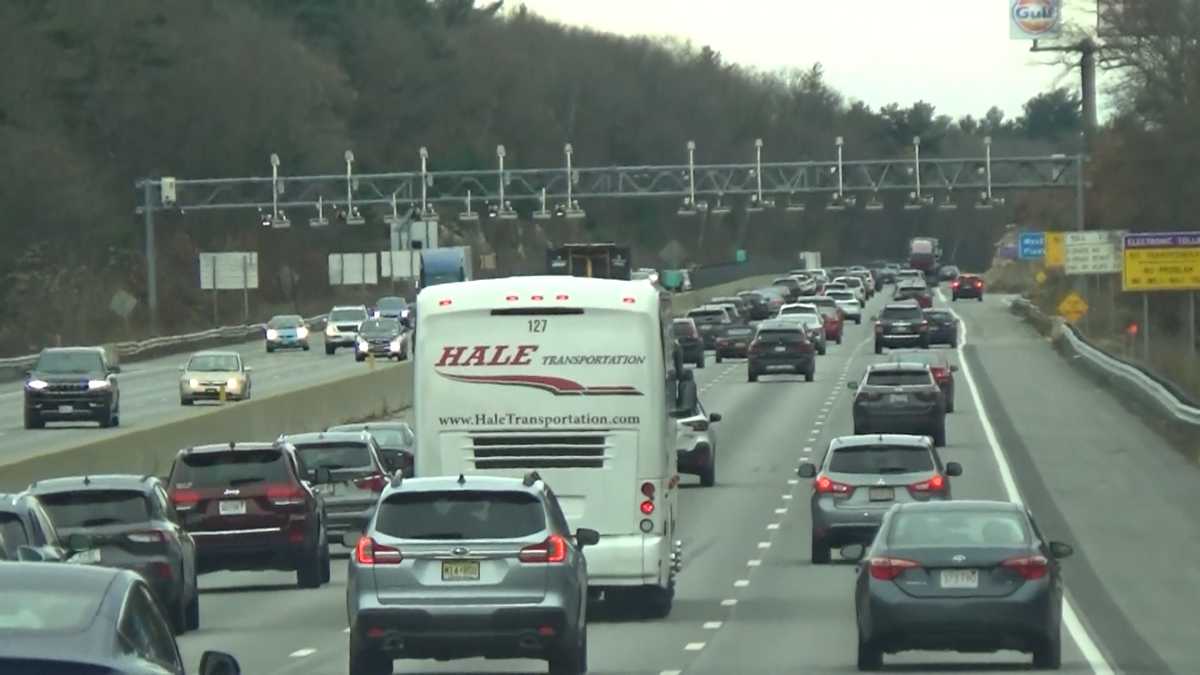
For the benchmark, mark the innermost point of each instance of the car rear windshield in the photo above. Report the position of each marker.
(348, 315)
(213, 363)
(12, 533)
(682, 329)
(902, 313)
(707, 316)
(898, 378)
(46, 608)
(69, 363)
(842, 295)
(96, 508)
(284, 322)
(461, 515)
(939, 315)
(781, 336)
(879, 459)
(391, 303)
(399, 437)
(334, 456)
(235, 467)
(958, 528)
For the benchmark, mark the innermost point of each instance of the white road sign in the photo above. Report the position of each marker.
(353, 269)
(231, 271)
(1094, 252)
(402, 264)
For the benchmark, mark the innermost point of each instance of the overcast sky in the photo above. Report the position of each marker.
(954, 54)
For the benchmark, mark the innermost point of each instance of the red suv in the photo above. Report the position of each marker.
(248, 508)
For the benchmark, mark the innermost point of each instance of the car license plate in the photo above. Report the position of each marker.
(65, 408)
(882, 494)
(781, 349)
(898, 398)
(89, 557)
(460, 570)
(210, 391)
(233, 507)
(960, 578)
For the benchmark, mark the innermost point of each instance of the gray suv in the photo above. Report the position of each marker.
(473, 566)
(861, 477)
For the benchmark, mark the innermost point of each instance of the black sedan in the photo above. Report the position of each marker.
(967, 286)
(757, 304)
(943, 327)
(965, 576)
(84, 619)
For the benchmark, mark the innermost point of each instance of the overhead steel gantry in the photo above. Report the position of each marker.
(937, 183)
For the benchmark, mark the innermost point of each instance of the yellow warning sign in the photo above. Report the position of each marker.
(1073, 307)
(1056, 249)
(1041, 277)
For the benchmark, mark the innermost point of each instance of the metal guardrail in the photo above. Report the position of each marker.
(1147, 386)
(14, 367)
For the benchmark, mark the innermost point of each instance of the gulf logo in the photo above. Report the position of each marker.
(1035, 17)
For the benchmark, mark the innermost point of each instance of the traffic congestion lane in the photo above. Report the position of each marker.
(810, 608)
(150, 395)
(1103, 474)
(275, 628)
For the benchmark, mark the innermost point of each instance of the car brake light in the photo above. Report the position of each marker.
(647, 507)
(184, 499)
(697, 425)
(824, 485)
(370, 552)
(374, 483)
(1030, 567)
(147, 537)
(285, 494)
(935, 484)
(887, 569)
(978, 284)
(553, 550)
(953, 284)
(870, 395)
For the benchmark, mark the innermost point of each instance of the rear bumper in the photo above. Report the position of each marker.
(267, 548)
(840, 527)
(463, 631)
(901, 422)
(967, 292)
(896, 621)
(346, 520)
(759, 364)
(732, 352)
(890, 339)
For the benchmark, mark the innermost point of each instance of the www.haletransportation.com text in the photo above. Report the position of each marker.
(518, 420)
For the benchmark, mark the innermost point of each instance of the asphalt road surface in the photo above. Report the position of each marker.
(1027, 426)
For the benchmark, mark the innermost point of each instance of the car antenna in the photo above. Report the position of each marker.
(87, 480)
(462, 479)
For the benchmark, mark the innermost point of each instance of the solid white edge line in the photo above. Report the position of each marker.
(1079, 633)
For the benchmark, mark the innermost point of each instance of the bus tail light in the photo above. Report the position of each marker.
(648, 489)
(647, 507)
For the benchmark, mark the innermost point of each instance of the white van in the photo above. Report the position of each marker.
(575, 378)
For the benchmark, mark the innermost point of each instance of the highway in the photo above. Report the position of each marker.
(749, 601)
(150, 394)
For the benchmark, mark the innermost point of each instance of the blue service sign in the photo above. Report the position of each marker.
(1031, 245)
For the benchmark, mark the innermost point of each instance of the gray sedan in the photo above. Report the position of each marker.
(966, 576)
(861, 477)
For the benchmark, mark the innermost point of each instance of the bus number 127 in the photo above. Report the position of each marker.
(537, 325)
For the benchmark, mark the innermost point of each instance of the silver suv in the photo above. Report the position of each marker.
(342, 326)
(473, 566)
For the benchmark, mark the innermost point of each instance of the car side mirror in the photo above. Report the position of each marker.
(854, 552)
(954, 369)
(350, 539)
(79, 542)
(852, 386)
(714, 417)
(954, 469)
(29, 554)
(219, 663)
(322, 475)
(586, 537)
(1060, 550)
(806, 470)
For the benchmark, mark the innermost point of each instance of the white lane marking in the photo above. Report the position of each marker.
(693, 646)
(753, 563)
(808, 448)
(741, 583)
(347, 630)
(670, 672)
(793, 481)
(773, 526)
(1087, 646)
(780, 512)
(787, 496)
(712, 625)
(729, 602)
(764, 544)
(301, 653)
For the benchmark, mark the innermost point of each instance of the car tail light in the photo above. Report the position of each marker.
(185, 500)
(978, 284)
(935, 484)
(285, 494)
(923, 327)
(824, 485)
(553, 550)
(925, 395)
(370, 552)
(697, 425)
(374, 483)
(887, 569)
(940, 373)
(953, 284)
(801, 346)
(870, 396)
(1030, 567)
(147, 537)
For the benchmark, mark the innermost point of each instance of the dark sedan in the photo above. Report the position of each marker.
(734, 343)
(943, 327)
(757, 304)
(899, 398)
(943, 371)
(78, 619)
(128, 522)
(781, 344)
(354, 479)
(965, 576)
(967, 286)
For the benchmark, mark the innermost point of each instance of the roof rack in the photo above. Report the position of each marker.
(531, 478)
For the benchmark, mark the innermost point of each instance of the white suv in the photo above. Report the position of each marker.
(342, 326)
